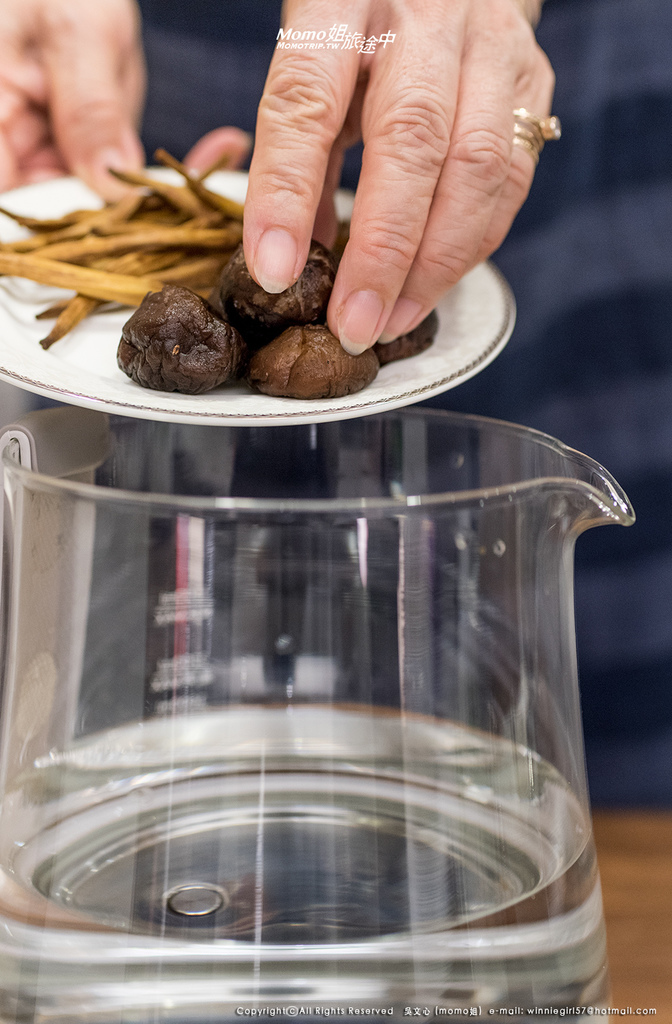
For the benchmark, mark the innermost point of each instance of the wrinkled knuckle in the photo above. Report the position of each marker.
(290, 182)
(386, 246)
(443, 266)
(485, 152)
(418, 132)
(299, 99)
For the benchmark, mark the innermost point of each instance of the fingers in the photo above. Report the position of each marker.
(533, 92)
(92, 62)
(441, 181)
(468, 189)
(485, 179)
(301, 113)
(407, 122)
(219, 143)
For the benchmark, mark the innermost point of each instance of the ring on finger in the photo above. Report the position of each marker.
(532, 132)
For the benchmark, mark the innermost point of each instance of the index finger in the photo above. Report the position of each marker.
(302, 110)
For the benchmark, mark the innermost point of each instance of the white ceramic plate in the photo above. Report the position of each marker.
(476, 321)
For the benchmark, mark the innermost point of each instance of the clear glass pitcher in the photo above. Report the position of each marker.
(291, 721)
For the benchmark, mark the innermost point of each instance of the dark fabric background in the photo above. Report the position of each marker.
(590, 261)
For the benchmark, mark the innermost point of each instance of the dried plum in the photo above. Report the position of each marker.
(417, 340)
(310, 362)
(261, 316)
(175, 341)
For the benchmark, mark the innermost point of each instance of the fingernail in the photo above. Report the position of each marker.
(358, 324)
(275, 260)
(405, 312)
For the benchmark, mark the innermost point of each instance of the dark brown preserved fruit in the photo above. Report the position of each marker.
(417, 340)
(310, 362)
(175, 341)
(261, 316)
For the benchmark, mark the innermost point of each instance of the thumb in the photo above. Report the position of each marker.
(91, 115)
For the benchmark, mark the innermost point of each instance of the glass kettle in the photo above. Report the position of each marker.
(290, 721)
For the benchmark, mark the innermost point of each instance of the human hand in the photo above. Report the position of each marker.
(441, 181)
(71, 90)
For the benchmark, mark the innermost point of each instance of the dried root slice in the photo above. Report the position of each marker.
(110, 218)
(196, 273)
(175, 269)
(73, 313)
(222, 162)
(52, 312)
(228, 207)
(155, 237)
(96, 284)
(48, 224)
(140, 263)
(183, 199)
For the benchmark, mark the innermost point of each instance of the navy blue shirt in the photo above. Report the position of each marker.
(590, 261)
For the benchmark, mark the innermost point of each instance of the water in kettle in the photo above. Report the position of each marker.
(192, 868)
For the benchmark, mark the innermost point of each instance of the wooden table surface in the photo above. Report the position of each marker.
(635, 856)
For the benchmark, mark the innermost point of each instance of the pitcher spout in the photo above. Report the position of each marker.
(598, 497)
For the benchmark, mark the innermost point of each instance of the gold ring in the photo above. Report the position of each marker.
(532, 132)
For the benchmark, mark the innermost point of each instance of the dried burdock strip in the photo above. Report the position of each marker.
(109, 217)
(208, 220)
(201, 272)
(55, 311)
(97, 284)
(220, 164)
(122, 210)
(168, 160)
(130, 263)
(52, 312)
(48, 224)
(228, 207)
(148, 261)
(39, 241)
(155, 237)
(79, 307)
(178, 196)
